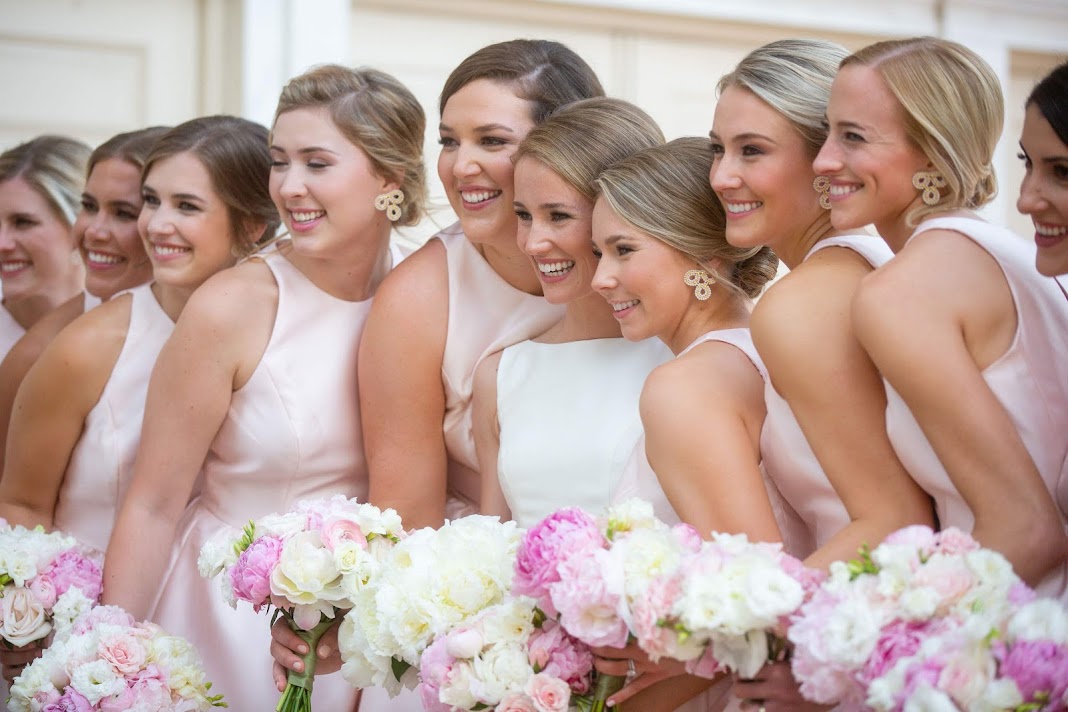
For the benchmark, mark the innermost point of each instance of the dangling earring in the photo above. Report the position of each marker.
(701, 282)
(929, 182)
(822, 185)
(390, 202)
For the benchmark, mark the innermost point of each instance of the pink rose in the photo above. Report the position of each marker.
(549, 694)
(562, 535)
(250, 577)
(74, 569)
(588, 610)
(71, 701)
(125, 653)
(24, 619)
(336, 531)
(552, 651)
(44, 589)
(948, 576)
(516, 702)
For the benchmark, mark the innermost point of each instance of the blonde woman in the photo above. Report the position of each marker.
(970, 338)
(254, 394)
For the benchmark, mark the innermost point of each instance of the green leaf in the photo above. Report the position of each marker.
(399, 667)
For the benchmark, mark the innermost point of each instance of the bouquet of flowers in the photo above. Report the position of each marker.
(310, 564)
(508, 657)
(592, 574)
(724, 606)
(108, 662)
(46, 580)
(917, 591)
(428, 584)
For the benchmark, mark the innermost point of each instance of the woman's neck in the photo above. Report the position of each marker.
(512, 265)
(352, 274)
(725, 310)
(793, 249)
(588, 317)
(29, 310)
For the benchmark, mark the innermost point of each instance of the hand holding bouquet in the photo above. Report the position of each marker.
(310, 564)
(107, 662)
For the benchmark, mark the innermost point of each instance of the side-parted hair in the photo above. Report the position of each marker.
(54, 166)
(545, 73)
(664, 192)
(793, 77)
(582, 139)
(954, 112)
(234, 153)
(375, 112)
(132, 147)
(1051, 97)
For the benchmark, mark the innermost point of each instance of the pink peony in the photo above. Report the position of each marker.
(953, 542)
(552, 651)
(1021, 594)
(1038, 667)
(46, 697)
(72, 568)
(688, 537)
(250, 577)
(44, 589)
(549, 694)
(338, 530)
(516, 702)
(434, 667)
(653, 607)
(588, 610)
(562, 535)
(111, 615)
(916, 535)
(71, 701)
(900, 639)
(125, 653)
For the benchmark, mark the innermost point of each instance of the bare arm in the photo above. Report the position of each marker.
(966, 315)
(192, 385)
(488, 437)
(803, 330)
(49, 413)
(25, 353)
(401, 392)
(702, 415)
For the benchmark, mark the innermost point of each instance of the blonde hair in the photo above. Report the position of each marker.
(54, 166)
(664, 192)
(793, 77)
(582, 139)
(954, 112)
(374, 111)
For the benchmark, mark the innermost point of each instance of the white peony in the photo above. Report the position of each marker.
(217, 554)
(629, 516)
(281, 525)
(69, 607)
(499, 670)
(306, 577)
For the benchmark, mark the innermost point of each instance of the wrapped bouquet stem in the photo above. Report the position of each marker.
(297, 695)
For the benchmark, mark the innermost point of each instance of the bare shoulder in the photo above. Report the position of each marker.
(710, 373)
(234, 301)
(417, 288)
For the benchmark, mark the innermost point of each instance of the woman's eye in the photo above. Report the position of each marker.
(316, 165)
(523, 215)
(852, 136)
(278, 164)
(559, 217)
(623, 250)
(493, 141)
(447, 142)
(717, 150)
(127, 215)
(751, 151)
(151, 201)
(187, 206)
(596, 253)
(89, 206)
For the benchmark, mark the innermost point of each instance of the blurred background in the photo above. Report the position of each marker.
(93, 68)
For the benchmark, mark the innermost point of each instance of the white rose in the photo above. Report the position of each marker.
(1041, 619)
(96, 680)
(24, 619)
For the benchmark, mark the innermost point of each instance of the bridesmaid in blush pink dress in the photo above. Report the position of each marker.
(468, 292)
(256, 392)
(977, 410)
(823, 442)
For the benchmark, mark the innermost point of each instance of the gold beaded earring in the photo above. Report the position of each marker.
(822, 185)
(702, 283)
(929, 182)
(390, 202)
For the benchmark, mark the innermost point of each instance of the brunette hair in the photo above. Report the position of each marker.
(54, 166)
(132, 147)
(545, 73)
(664, 192)
(1051, 97)
(234, 153)
(374, 111)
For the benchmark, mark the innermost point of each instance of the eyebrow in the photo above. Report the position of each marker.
(613, 239)
(188, 196)
(749, 136)
(306, 150)
(485, 128)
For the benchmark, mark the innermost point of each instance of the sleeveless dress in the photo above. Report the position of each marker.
(569, 420)
(486, 314)
(1030, 380)
(101, 463)
(10, 331)
(639, 480)
(788, 457)
(292, 432)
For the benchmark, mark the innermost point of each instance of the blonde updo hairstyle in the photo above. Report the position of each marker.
(794, 78)
(954, 112)
(664, 192)
(375, 112)
(54, 166)
(582, 139)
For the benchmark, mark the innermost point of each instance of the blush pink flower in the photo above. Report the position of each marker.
(552, 651)
(653, 607)
(588, 610)
(953, 542)
(549, 694)
(112, 615)
(688, 537)
(72, 568)
(250, 577)
(434, 667)
(916, 535)
(900, 639)
(564, 534)
(71, 701)
(338, 530)
(516, 702)
(44, 589)
(125, 653)
(1038, 667)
